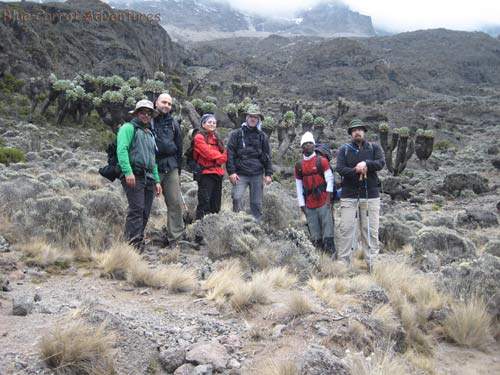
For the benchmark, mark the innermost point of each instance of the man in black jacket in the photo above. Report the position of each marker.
(249, 162)
(169, 157)
(358, 163)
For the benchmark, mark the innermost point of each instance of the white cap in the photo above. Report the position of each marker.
(307, 137)
(144, 103)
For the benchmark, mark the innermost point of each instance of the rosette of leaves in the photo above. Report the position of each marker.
(211, 99)
(159, 76)
(114, 82)
(208, 107)
(286, 133)
(307, 121)
(288, 120)
(134, 82)
(319, 127)
(152, 88)
(197, 104)
(268, 125)
(424, 144)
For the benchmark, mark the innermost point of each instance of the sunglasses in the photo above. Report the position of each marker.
(147, 113)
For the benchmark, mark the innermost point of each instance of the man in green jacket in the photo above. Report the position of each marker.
(136, 152)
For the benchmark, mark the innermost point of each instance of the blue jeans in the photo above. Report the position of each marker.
(256, 185)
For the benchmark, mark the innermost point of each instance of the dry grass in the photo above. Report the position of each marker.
(414, 296)
(329, 268)
(177, 279)
(220, 283)
(141, 275)
(386, 316)
(285, 366)
(122, 261)
(469, 324)
(421, 362)
(361, 284)
(40, 253)
(381, 362)
(227, 284)
(172, 256)
(298, 304)
(119, 260)
(77, 348)
(333, 292)
(277, 277)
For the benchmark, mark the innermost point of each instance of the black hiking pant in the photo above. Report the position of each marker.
(140, 200)
(209, 194)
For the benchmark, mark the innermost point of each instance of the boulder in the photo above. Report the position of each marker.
(279, 208)
(476, 217)
(493, 248)
(106, 206)
(454, 183)
(395, 188)
(55, 217)
(478, 277)
(22, 306)
(211, 353)
(4, 245)
(171, 359)
(393, 233)
(444, 243)
(318, 360)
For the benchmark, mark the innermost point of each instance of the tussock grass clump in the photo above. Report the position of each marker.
(381, 362)
(78, 348)
(327, 267)
(119, 259)
(286, 366)
(386, 316)
(227, 284)
(220, 283)
(177, 279)
(298, 304)
(277, 277)
(40, 253)
(413, 296)
(469, 324)
(332, 291)
(123, 262)
(422, 362)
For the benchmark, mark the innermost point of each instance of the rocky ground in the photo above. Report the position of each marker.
(320, 318)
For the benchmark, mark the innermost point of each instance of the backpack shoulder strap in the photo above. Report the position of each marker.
(298, 168)
(319, 165)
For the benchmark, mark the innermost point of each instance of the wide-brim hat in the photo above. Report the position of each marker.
(254, 110)
(144, 103)
(356, 123)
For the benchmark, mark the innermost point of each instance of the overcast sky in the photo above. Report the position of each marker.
(398, 15)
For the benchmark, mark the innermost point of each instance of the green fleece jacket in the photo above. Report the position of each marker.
(128, 145)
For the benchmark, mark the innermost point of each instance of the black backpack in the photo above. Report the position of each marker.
(112, 171)
(191, 164)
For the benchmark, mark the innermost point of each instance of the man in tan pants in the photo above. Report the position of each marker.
(169, 157)
(358, 163)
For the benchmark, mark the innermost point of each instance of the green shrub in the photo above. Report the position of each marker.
(444, 145)
(10, 84)
(11, 155)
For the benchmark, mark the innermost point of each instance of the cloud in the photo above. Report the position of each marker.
(395, 15)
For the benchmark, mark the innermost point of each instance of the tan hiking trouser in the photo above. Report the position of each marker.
(352, 229)
(170, 183)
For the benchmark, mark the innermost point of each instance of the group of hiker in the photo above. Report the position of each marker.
(149, 152)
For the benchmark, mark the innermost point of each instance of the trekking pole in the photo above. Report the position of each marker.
(368, 228)
(353, 244)
(184, 202)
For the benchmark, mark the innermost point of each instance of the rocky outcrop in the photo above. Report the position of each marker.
(87, 36)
